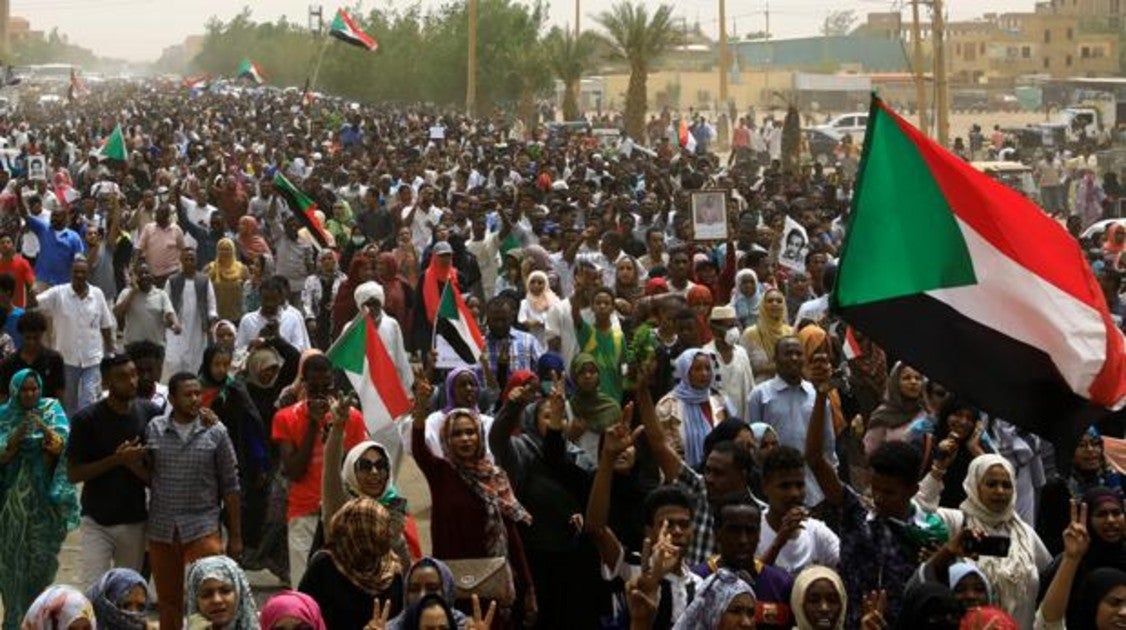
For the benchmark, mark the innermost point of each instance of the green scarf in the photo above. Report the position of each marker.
(597, 409)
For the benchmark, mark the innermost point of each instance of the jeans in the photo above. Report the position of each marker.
(106, 547)
(301, 531)
(168, 563)
(83, 386)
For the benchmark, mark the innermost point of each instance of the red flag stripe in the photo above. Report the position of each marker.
(381, 370)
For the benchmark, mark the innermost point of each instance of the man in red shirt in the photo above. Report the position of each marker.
(300, 431)
(16, 266)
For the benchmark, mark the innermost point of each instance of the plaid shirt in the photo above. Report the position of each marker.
(522, 350)
(190, 477)
(703, 525)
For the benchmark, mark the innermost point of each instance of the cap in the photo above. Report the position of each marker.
(722, 313)
(442, 248)
(367, 292)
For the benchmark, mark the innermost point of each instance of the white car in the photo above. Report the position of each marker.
(853, 124)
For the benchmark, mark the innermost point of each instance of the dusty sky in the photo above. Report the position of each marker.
(139, 29)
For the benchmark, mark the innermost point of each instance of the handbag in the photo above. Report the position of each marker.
(487, 578)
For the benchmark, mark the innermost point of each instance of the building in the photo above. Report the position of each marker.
(1104, 13)
(850, 53)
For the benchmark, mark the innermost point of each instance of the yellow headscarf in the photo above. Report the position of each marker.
(226, 267)
(771, 329)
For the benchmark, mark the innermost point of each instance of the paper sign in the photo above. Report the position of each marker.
(37, 168)
(794, 246)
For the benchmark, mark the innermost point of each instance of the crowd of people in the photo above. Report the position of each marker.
(660, 432)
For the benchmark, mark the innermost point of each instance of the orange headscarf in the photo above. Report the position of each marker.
(814, 339)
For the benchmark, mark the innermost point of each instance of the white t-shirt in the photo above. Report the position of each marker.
(814, 544)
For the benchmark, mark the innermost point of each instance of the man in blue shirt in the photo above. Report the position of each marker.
(9, 313)
(785, 402)
(58, 244)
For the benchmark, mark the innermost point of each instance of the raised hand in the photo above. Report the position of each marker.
(422, 388)
(479, 622)
(1075, 538)
(379, 614)
(872, 611)
(665, 555)
(620, 436)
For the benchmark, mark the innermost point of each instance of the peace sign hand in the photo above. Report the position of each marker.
(379, 614)
(1075, 537)
(872, 611)
(478, 622)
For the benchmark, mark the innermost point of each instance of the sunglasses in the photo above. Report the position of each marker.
(369, 466)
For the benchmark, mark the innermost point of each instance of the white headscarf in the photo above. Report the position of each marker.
(802, 582)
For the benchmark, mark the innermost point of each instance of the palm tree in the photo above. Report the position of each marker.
(526, 64)
(569, 58)
(638, 39)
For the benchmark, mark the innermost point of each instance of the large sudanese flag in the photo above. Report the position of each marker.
(345, 29)
(361, 354)
(974, 285)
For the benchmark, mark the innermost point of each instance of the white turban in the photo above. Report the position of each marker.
(368, 291)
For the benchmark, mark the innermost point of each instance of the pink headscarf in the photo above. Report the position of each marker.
(291, 604)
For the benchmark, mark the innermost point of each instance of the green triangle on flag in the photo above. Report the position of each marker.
(447, 306)
(345, 29)
(349, 351)
(114, 146)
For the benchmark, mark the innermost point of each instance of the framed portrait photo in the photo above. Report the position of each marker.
(709, 215)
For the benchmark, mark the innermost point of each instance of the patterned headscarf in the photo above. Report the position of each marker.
(225, 570)
(292, 604)
(58, 607)
(108, 595)
(803, 581)
(361, 545)
(712, 599)
(487, 481)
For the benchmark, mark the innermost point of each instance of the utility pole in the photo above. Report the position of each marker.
(316, 13)
(941, 88)
(920, 85)
(724, 59)
(769, 54)
(471, 82)
(578, 29)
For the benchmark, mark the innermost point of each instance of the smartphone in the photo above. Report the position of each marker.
(997, 546)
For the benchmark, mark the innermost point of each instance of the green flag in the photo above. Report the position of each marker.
(114, 146)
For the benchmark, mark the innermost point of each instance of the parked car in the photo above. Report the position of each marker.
(821, 146)
(853, 124)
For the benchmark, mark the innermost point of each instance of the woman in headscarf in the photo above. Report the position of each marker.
(367, 471)
(475, 513)
(356, 566)
(929, 606)
(957, 421)
(1087, 469)
(120, 598)
(250, 242)
(291, 610)
(700, 301)
(38, 504)
(814, 339)
(260, 269)
(760, 339)
(746, 297)
(1106, 530)
(628, 278)
(431, 612)
(339, 225)
(428, 577)
(218, 596)
(223, 333)
(903, 404)
(690, 411)
(538, 300)
(462, 390)
(344, 308)
(723, 601)
(59, 608)
(990, 506)
(231, 402)
(818, 599)
(227, 275)
(398, 297)
(591, 408)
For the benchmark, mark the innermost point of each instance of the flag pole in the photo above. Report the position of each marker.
(317, 68)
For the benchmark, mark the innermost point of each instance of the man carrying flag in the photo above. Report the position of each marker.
(303, 207)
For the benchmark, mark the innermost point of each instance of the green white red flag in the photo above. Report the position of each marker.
(361, 354)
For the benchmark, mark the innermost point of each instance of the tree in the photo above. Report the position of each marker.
(638, 39)
(839, 23)
(569, 58)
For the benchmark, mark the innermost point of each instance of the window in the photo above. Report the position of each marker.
(1026, 52)
(1084, 52)
(1047, 36)
(1067, 61)
(1047, 63)
(1097, 52)
(957, 49)
(1070, 34)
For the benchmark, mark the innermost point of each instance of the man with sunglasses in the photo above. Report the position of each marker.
(300, 431)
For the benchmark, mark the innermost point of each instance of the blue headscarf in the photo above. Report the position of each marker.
(960, 570)
(695, 424)
(108, 595)
(448, 593)
(451, 382)
(60, 491)
(712, 599)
